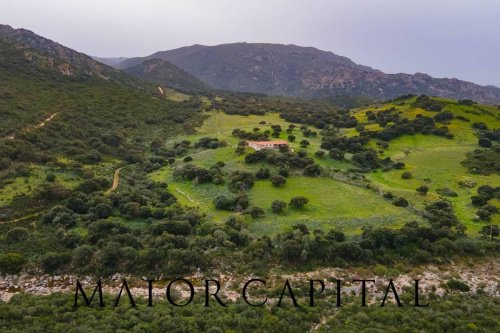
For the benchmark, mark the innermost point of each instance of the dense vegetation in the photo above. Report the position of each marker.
(454, 313)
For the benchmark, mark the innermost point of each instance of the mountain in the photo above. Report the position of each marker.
(167, 74)
(110, 61)
(65, 60)
(291, 70)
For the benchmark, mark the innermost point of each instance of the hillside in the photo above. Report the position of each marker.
(65, 60)
(165, 73)
(437, 156)
(54, 123)
(99, 177)
(290, 70)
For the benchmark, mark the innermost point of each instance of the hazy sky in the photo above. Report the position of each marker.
(444, 38)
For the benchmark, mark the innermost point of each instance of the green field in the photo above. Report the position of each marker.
(333, 204)
(433, 161)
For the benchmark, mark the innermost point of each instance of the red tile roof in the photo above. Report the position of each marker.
(275, 142)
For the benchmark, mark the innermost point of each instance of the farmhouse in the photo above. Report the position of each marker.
(258, 145)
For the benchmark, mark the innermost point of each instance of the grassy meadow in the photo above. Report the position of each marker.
(433, 161)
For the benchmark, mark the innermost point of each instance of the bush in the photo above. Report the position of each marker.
(256, 212)
(223, 202)
(406, 175)
(278, 180)
(312, 170)
(447, 192)
(299, 202)
(423, 189)
(278, 206)
(320, 153)
(401, 202)
(283, 172)
(11, 263)
(262, 173)
(304, 143)
(17, 234)
(52, 262)
(457, 285)
(485, 143)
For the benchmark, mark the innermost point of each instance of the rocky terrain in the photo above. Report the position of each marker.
(52, 55)
(481, 277)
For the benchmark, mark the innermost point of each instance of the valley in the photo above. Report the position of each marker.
(239, 161)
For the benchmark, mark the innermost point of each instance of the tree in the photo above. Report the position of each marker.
(299, 202)
(401, 202)
(304, 143)
(278, 206)
(291, 138)
(262, 173)
(312, 170)
(490, 231)
(485, 143)
(11, 263)
(457, 285)
(320, 153)
(423, 189)
(17, 234)
(406, 175)
(283, 172)
(103, 210)
(336, 154)
(256, 212)
(52, 262)
(278, 180)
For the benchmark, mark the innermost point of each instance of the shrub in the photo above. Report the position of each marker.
(11, 263)
(320, 153)
(406, 175)
(458, 285)
(17, 234)
(262, 173)
(401, 202)
(283, 172)
(278, 206)
(312, 170)
(256, 212)
(278, 180)
(299, 202)
(423, 189)
(485, 143)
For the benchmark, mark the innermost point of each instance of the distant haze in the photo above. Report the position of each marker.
(446, 38)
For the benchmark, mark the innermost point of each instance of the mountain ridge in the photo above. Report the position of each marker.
(64, 59)
(167, 74)
(307, 72)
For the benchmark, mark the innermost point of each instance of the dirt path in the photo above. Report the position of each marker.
(185, 194)
(22, 218)
(29, 129)
(116, 181)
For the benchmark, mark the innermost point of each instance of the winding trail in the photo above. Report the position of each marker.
(116, 181)
(29, 129)
(185, 194)
(22, 218)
